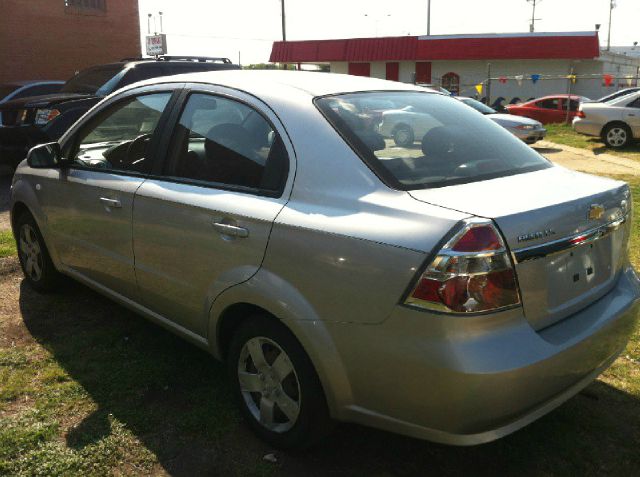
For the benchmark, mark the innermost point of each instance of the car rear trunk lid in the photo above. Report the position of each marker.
(566, 231)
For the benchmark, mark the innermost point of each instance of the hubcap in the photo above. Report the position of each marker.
(269, 384)
(402, 136)
(30, 252)
(617, 136)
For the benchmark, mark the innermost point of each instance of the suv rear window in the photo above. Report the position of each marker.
(89, 81)
(416, 140)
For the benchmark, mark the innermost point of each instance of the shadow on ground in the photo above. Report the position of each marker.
(546, 150)
(176, 400)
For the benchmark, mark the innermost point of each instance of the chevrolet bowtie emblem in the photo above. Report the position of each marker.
(596, 211)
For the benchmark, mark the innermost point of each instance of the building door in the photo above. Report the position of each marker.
(423, 72)
(393, 71)
(360, 69)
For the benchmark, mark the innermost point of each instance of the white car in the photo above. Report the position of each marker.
(617, 122)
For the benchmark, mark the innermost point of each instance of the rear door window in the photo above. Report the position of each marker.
(427, 140)
(223, 142)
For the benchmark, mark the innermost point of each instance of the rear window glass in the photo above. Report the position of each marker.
(89, 81)
(417, 140)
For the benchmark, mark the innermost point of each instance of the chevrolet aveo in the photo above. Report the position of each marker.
(454, 288)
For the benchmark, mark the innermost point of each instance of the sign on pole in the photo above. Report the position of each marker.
(157, 44)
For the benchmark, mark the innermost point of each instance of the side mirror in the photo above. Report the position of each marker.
(45, 156)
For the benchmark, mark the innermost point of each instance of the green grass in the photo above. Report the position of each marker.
(564, 134)
(7, 244)
(88, 388)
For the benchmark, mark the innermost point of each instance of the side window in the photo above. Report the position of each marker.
(118, 139)
(634, 104)
(222, 141)
(551, 103)
(573, 105)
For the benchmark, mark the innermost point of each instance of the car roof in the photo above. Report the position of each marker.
(313, 83)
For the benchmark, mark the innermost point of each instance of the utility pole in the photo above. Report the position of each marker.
(428, 17)
(160, 13)
(612, 5)
(532, 25)
(284, 27)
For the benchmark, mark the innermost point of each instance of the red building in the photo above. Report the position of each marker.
(52, 39)
(460, 63)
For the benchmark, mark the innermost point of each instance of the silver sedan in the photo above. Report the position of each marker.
(453, 289)
(616, 122)
(527, 129)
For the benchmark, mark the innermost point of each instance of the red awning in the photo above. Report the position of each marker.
(581, 45)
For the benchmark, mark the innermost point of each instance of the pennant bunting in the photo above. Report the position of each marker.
(535, 78)
(479, 88)
(573, 78)
(608, 80)
(502, 79)
(519, 79)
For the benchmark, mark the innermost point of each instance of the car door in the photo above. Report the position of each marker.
(547, 110)
(203, 226)
(89, 204)
(631, 116)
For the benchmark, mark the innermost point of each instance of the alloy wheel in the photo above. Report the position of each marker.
(269, 384)
(31, 252)
(616, 137)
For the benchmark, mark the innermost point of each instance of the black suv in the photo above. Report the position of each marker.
(39, 119)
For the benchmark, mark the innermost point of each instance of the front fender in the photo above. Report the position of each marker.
(22, 192)
(281, 298)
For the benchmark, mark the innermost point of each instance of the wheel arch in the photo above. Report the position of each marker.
(278, 300)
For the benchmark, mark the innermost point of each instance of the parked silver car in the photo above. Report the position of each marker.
(527, 129)
(617, 122)
(454, 291)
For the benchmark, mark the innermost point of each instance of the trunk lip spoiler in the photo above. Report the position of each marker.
(567, 243)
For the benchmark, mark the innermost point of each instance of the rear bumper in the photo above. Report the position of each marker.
(586, 127)
(469, 380)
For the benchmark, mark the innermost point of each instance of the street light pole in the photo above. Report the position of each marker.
(532, 26)
(284, 25)
(428, 17)
(612, 5)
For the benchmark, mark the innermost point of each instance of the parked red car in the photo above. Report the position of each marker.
(549, 109)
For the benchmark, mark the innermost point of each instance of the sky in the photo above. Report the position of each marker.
(249, 27)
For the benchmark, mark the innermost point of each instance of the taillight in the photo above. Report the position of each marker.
(581, 114)
(43, 116)
(471, 273)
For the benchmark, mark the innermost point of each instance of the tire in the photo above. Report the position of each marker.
(286, 408)
(38, 269)
(617, 135)
(403, 136)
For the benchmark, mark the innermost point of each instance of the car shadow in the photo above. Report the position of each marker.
(177, 402)
(546, 150)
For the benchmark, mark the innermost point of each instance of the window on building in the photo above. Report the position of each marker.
(451, 82)
(87, 4)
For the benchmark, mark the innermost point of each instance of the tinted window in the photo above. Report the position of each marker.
(428, 140)
(91, 80)
(38, 90)
(551, 103)
(478, 106)
(222, 141)
(119, 138)
(573, 105)
(634, 104)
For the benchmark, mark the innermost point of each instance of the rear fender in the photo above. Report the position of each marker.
(281, 299)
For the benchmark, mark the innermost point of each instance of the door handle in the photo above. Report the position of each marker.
(113, 203)
(231, 230)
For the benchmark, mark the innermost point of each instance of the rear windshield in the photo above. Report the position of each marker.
(89, 81)
(416, 140)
